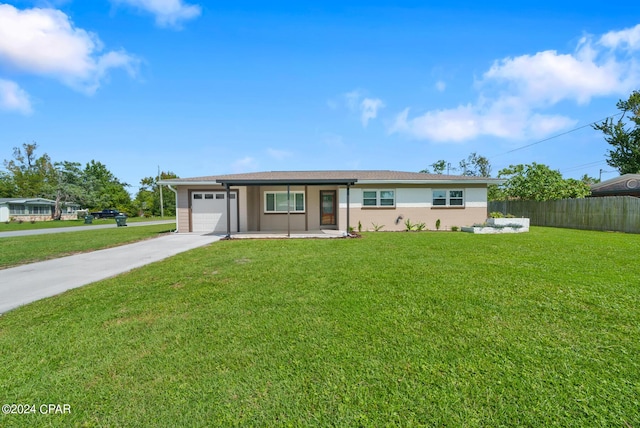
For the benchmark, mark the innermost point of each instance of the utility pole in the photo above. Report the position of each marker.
(160, 190)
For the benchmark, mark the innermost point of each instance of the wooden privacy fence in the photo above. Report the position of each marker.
(613, 213)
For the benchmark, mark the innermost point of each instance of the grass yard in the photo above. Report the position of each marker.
(34, 248)
(27, 225)
(395, 329)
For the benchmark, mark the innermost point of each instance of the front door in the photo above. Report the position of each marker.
(328, 208)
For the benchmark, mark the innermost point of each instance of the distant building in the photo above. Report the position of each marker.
(624, 185)
(37, 209)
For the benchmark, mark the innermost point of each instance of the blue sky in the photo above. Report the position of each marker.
(205, 88)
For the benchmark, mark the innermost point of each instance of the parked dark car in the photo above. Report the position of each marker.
(106, 214)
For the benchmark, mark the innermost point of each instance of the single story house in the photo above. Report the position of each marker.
(286, 201)
(37, 209)
(624, 185)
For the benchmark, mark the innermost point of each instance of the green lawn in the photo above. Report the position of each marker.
(27, 225)
(28, 249)
(394, 329)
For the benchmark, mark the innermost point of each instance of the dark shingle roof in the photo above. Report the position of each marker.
(328, 176)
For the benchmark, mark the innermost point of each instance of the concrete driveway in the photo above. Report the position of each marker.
(28, 283)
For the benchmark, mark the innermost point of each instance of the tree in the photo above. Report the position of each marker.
(476, 165)
(625, 154)
(473, 165)
(103, 190)
(147, 200)
(65, 185)
(28, 173)
(438, 167)
(536, 182)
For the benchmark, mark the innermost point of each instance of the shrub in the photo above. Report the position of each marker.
(496, 214)
(359, 226)
(438, 224)
(454, 228)
(419, 226)
(377, 227)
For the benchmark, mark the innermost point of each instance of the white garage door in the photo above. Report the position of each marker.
(209, 212)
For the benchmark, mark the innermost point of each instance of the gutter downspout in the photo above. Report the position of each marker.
(176, 193)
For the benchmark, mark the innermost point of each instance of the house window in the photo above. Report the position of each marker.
(16, 209)
(197, 196)
(448, 198)
(40, 210)
(378, 198)
(276, 202)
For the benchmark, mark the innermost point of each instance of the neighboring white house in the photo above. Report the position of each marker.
(37, 209)
(313, 200)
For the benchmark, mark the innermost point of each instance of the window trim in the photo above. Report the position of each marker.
(379, 199)
(293, 204)
(448, 198)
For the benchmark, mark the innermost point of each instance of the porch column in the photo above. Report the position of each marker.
(228, 211)
(348, 187)
(288, 211)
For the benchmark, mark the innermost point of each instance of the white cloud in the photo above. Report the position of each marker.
(515, 92)
(441, 86)
(369, 109)
(13, 98)
(45, 42)
(366, 107)
(168, 13)
(628, 38)
(279, 154)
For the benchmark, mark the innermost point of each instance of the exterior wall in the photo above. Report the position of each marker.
(413, 203)
(278, 222)
(183, 217)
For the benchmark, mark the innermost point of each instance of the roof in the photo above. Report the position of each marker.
(627, 183)
(34, 201)
(26, 201)
(330, 177)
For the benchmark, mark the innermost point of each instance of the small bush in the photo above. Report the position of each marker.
(359, 226)
(377, 227)
(438, 224)
(419, 227)
(496, 214)
(510, 216)
(454, 228)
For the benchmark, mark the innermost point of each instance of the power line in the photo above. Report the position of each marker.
(572, 168)
(557, 135)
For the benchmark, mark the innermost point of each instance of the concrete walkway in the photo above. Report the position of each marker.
(28, 283)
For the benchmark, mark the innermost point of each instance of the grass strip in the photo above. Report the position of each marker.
(15, 251)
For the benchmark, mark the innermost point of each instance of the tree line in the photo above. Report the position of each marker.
(92, 187)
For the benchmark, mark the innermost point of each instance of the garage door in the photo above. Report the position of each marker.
(209, 212)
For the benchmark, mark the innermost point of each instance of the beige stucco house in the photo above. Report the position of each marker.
(297, 201)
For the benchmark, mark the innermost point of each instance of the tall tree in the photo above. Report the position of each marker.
(28, 172)
(625, 139)
(103, 189)
(147, 200)
(536, 182)
(476, 165)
